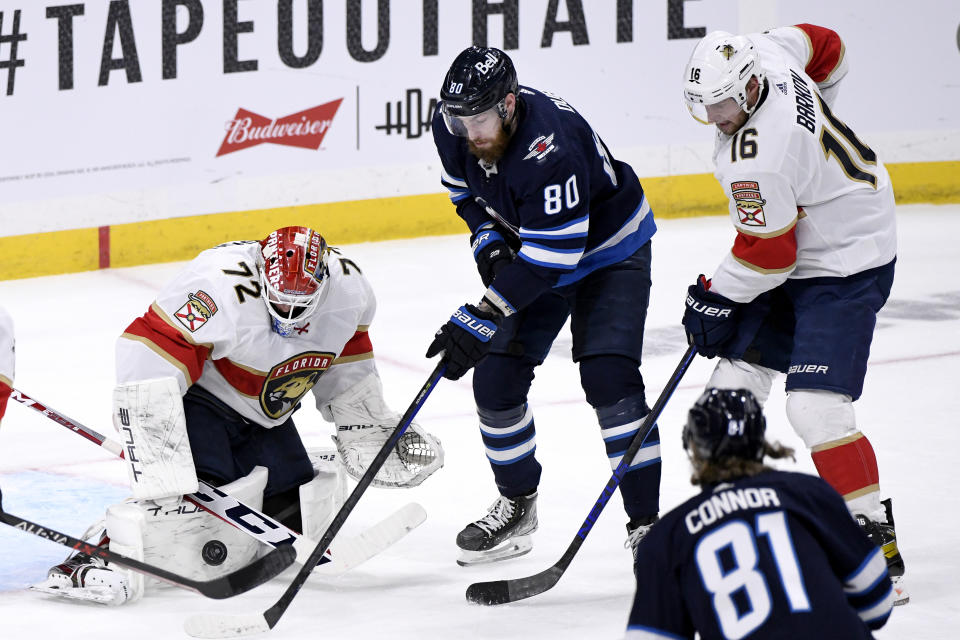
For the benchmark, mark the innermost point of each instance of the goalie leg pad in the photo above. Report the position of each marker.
(322, 497)
(364, 423)
(183, 538)
(149, 415)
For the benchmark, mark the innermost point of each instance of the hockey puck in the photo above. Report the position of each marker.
(214, 553)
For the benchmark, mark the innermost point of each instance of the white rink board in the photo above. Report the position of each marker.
(91, 143)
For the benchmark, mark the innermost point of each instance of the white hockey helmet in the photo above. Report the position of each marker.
(720, 67)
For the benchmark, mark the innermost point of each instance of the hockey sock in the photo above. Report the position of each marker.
(849, 465)
(640, 486)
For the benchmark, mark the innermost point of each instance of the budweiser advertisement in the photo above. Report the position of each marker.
(304, 129)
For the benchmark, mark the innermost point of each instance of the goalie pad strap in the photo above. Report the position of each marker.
(149, 415)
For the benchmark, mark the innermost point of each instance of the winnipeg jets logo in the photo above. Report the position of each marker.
(540, 147)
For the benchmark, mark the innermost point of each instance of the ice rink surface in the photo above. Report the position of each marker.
(67, 325)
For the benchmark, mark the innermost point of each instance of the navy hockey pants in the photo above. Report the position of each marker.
(816, 330)
(607, 311)
(226, 446)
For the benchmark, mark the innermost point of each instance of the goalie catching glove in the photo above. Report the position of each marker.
(364, 423)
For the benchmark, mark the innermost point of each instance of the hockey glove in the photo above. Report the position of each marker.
(709, 319)
(491, 252)
(464, 339)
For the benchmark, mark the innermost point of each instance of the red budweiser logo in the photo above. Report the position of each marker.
(302, 129)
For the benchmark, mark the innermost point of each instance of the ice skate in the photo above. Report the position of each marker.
(884, 536)
(502, 534)
(637, 528)
(86, 578)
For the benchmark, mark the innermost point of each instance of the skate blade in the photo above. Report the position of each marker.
(85, 594)
(900, 595)
(512, 548)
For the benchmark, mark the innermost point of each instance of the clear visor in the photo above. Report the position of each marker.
(476, 127)
(723, 111)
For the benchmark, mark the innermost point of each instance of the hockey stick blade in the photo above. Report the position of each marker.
(229, 626)
(240, 581)
(350, 552)
(504, 591)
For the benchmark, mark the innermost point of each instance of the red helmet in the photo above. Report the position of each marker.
(293, 273)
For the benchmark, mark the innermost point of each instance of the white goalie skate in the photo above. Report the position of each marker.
(85, 578)
(502, 534)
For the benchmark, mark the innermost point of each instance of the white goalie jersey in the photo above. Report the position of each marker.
(6, 359)
(210, 327)
(808, 197)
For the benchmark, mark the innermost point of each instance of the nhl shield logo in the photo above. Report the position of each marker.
(749, 203)
(195, 312)
(290, 380)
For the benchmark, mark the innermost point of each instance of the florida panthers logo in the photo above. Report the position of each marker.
(749, 203)
(291, 380)
(195, 312)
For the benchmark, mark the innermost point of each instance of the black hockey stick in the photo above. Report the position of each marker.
(240, 581)
(503, 591)
(229, 626)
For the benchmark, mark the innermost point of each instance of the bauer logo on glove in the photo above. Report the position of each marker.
(483, 330)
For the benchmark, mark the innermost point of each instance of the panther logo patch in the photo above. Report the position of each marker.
(195, 312)
(291, 380)
(749, 203)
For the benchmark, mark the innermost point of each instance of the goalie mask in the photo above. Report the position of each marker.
(715, 79)
(293, 275)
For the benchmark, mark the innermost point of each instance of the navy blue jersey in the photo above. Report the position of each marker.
(776, 555)
(565, 204)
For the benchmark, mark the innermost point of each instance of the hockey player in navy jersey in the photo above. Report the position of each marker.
(559, 228)
(814, 254)
(759, 553)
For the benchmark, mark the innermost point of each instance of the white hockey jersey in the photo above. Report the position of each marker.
(808, 198)
(6, 359)
(211, 327)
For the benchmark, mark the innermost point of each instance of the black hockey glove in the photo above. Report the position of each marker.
(491, 252)
(709, 319)
(464, 339)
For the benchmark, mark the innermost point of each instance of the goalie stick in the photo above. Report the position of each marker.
(227, 626)
(503, 591)
(240, 581)
(342, 557)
